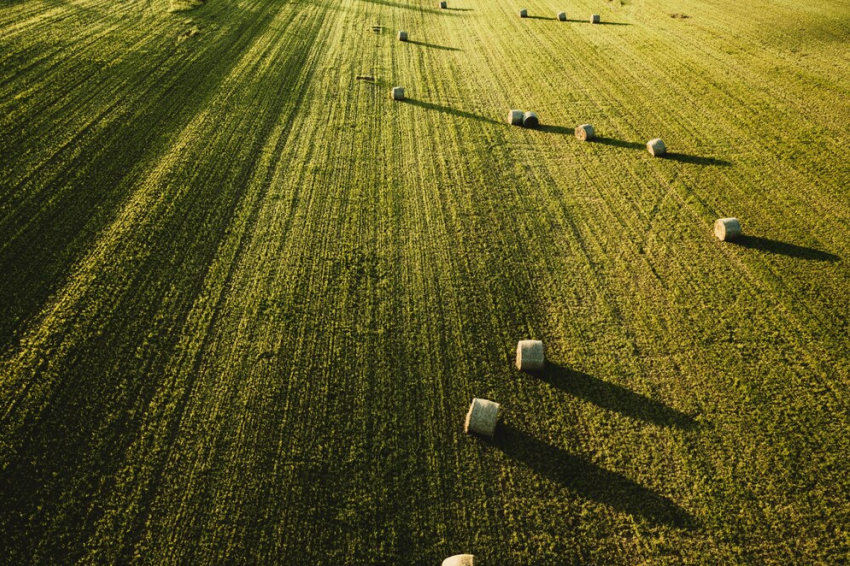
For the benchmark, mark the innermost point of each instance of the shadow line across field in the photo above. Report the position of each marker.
(784, 248)
(419, 8)
(433, 46)
(449, 110)
(589, 480)
(696, 159)
(614, 397)
(618, 143)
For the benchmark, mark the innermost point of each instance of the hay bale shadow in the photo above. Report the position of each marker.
(783, 248)
(403, 6)
(589, 480)
(615, 397)
(450, 111)
(433, 46)
(695, 159)
(618, 143)
(560, 130)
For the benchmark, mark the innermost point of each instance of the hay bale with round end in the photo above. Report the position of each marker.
(523, 13)
(482, 417)
(459, 560)
(443, 5)
(530, 355)
(515, 117)
(562, 16)
(595, 19)
(402, 35)
(397, 93)
(656, 147)
(727, 229)
(585, 132)
(529, 120)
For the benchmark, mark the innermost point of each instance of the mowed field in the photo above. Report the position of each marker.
(246, 299)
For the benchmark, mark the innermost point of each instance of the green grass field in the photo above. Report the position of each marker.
(246, 299)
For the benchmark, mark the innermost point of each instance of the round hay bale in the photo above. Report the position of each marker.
(585, 132)
(529, 120)
(443, 5)
(402, 36)
(482, 417)
(523, 13)
(459, 560)
(656, 147)
(530, 355)
(562, 16)
(397, 93)
(515, 117)
(727, 229)
(594, 19)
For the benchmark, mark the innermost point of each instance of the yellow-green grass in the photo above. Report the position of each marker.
(246, 299)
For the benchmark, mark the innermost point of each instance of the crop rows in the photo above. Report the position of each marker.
(247, 298)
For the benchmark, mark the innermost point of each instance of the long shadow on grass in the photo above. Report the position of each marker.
(449, 110)
(409, 7)
(433, 46)
(567, 131)
(784, 248)
(589, 480)
(560, 130)
(614, 397)
(55, 222)
(97, 396)
(696, 160)
(618, 143)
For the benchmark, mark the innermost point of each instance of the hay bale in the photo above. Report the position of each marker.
(594, 19)
(562, 16)
(515, 117)
(402, 36)
(459, 560)
(523, 13)
(482, 417)
(529, 120)
(727, 229)
(443, 5)
(397, 93)
(656, 147)
(530, 355)
(585, 132)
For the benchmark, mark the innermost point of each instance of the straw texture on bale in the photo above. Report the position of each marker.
(530, 120)
(515, 117)
(562, 16)
(397, 93)
(523, 13)
(530, 355)
(594, 19)
(443, 5)
(727, 229)
(402, 36)
(459, 560)
(482, 417)
(585, 132)
(656, 147)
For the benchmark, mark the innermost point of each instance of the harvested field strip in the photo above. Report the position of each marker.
(108, 176)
